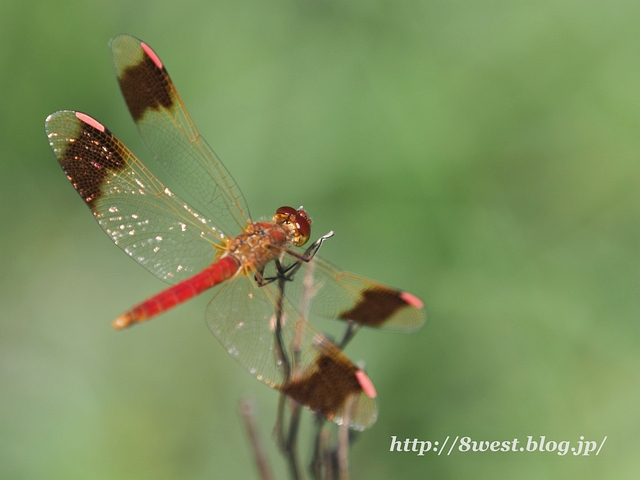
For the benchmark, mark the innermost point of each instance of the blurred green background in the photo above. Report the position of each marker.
(483, 155)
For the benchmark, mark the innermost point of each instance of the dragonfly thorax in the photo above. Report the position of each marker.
(259, 244)
(262, 242)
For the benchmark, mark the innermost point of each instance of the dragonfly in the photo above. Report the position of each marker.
(264, 276)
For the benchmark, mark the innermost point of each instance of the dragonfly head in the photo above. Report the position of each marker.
(296, 222)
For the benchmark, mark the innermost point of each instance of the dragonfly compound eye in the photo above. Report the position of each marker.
(297, 221)
(303, 224)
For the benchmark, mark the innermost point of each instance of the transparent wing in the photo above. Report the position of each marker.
(144, 218)
(345, 296)
(308, 367)
(169, 132)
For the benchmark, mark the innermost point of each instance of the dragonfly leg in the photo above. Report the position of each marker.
(289, 271)
(309, 253)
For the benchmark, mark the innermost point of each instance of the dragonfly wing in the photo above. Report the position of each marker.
(242, 317)
(145, 219)
(345, 296)
(169, 132)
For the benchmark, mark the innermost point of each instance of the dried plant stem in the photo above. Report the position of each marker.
(330, 457)
(287, 442)
(343, 442)
(247, 411)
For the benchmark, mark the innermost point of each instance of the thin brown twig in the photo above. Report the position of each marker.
(326, 455)
(247, 411)
(327, 461)
(292, 439)
(343, 441)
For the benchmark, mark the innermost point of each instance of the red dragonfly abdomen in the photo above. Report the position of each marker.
(216, 273)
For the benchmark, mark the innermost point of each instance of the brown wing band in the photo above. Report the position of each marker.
(88, 159)
(145, 86)
(326, 387)
(375, 307)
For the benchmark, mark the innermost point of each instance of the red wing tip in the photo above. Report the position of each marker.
(90, 121)
(151, 54)
(412, 300)
(366, 384)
